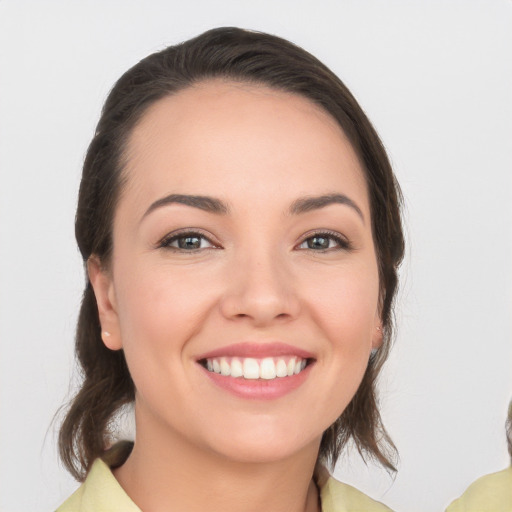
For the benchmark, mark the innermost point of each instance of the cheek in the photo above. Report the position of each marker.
(345, 304)
(344, 316)
(158, 314)
(160, 308)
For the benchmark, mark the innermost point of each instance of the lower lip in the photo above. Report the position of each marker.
(259, 389)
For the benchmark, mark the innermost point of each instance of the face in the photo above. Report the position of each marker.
(243, 285)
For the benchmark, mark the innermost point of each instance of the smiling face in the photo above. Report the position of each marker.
(243, 284)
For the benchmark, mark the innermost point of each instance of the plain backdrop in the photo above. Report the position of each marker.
(435, 78)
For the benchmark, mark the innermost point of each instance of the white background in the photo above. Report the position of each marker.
(435, 77)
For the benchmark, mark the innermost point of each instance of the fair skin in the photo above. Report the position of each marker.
(257, 271)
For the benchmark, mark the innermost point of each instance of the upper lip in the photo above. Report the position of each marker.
(257, 351)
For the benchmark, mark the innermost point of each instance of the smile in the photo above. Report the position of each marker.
(257, 371)
(251, 368)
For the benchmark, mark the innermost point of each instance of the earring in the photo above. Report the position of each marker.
(106, 334)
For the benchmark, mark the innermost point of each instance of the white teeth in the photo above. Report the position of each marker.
(281, 369)
(236, 368)
(291, 366)
(251, 368)
(267, 368)
(225, 369)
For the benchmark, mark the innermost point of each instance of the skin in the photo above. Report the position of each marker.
(254, 278)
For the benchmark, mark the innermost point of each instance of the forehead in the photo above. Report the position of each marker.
(218, 137)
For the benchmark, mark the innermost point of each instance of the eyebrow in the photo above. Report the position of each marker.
(307, 204)
(214, 205)
(208, 204)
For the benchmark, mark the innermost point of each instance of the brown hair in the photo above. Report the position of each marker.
(246, 56)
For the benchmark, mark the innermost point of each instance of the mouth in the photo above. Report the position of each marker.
(257, 371)
(251, 368)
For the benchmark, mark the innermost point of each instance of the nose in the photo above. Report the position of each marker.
(261, 290)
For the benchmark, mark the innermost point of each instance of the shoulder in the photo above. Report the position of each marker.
(100, 491)
(339, 497)
(490, 493)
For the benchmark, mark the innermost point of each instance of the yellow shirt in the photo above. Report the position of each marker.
(490, 493)
(101, 492)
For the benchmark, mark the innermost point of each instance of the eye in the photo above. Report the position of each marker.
(186, 241)
(324, 242)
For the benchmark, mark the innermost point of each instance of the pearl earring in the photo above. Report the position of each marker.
(106, 334)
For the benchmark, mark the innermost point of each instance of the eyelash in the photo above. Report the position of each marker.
(166, 242)
(341, 242)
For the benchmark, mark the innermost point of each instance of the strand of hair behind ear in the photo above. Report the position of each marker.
(105, 388)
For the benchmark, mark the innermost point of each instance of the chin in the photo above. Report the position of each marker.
(260, 455)
(266, 447)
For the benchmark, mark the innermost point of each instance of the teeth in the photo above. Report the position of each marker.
(250, 368)
(290, 367)
(281, 369)
(267, 369)
(236, 368)
(225, 369)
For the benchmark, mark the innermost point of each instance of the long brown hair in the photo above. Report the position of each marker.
(238, 55)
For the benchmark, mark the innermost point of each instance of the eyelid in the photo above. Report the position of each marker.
(343, 242)
(164, 242)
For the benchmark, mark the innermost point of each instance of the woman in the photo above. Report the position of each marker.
(240, 225)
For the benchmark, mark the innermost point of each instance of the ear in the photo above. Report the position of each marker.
(378, 334)
(103, 286)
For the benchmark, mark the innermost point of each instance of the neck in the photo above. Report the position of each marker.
(165, 472)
